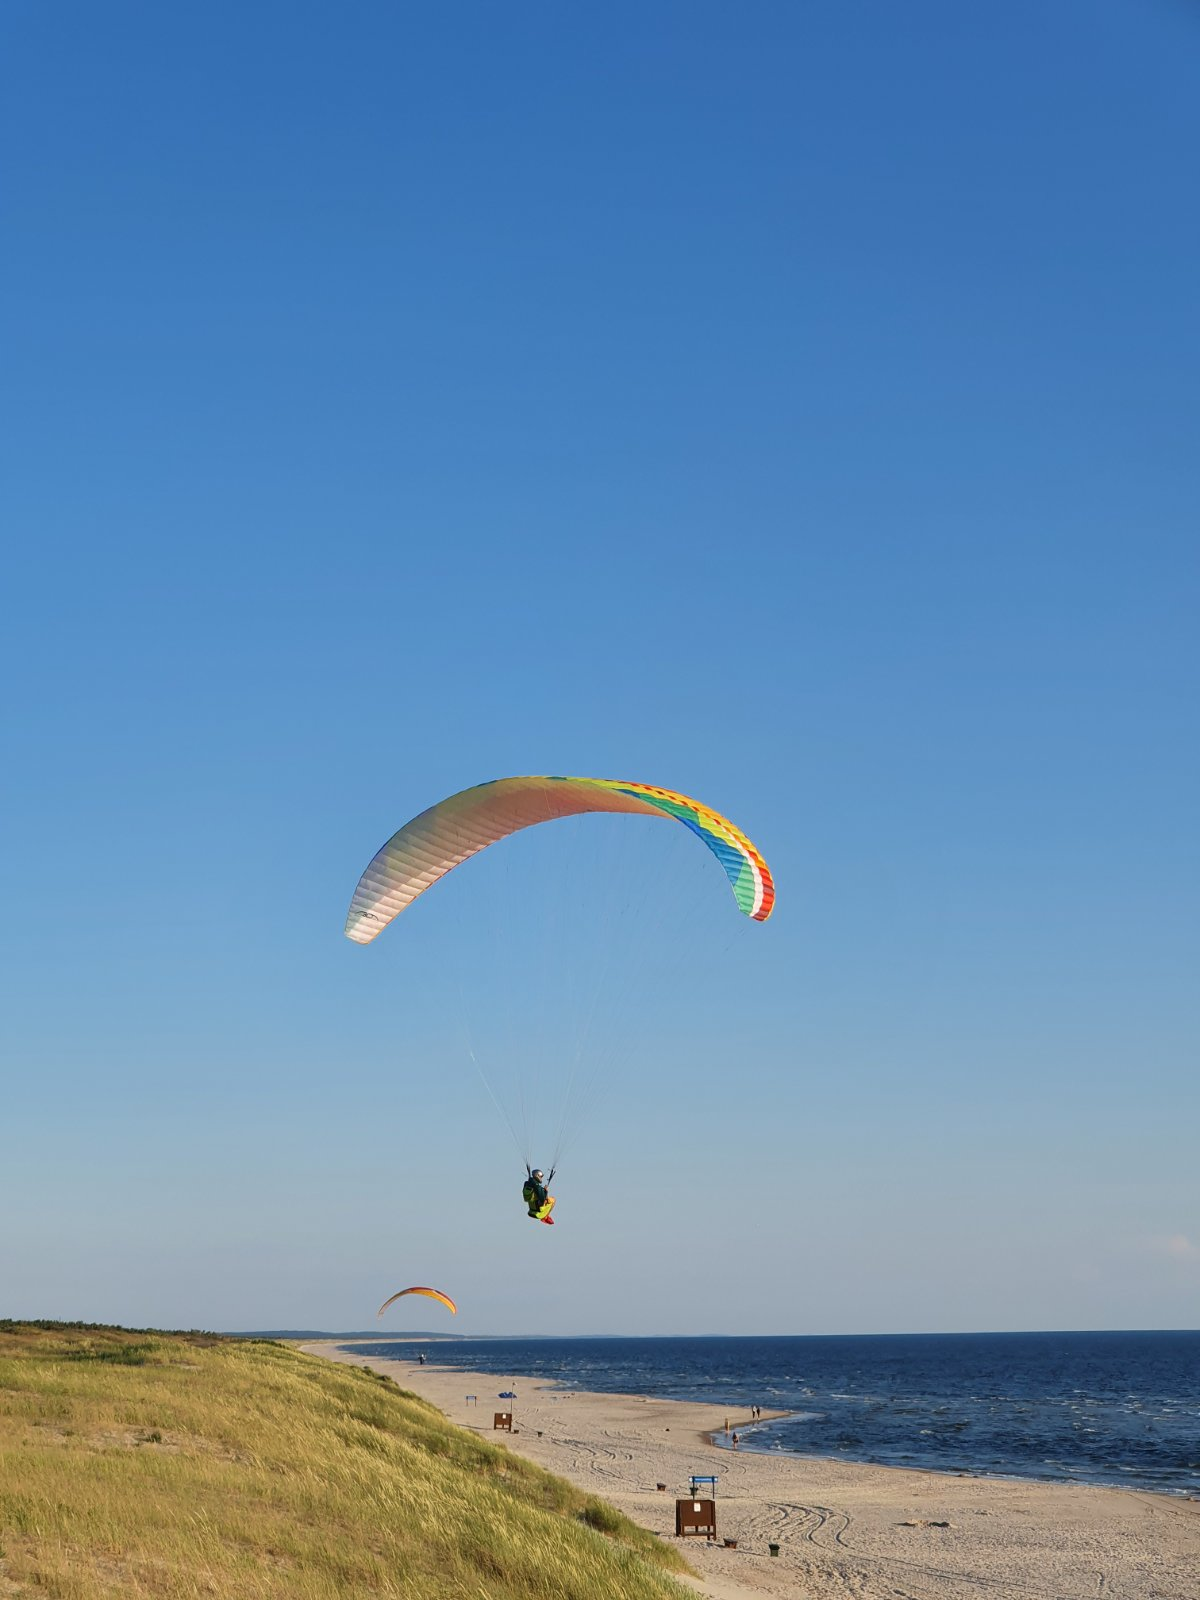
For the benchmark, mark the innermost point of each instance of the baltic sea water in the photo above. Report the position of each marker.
(1105, 1408)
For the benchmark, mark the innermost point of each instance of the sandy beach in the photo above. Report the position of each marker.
(875, 1533)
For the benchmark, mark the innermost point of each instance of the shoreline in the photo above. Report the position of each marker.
(740, 1428)
(711, 1435)
(841, 1528)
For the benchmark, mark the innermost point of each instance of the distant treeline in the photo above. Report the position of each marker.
(50, 1325)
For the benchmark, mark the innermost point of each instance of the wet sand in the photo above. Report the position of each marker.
(873, 1533)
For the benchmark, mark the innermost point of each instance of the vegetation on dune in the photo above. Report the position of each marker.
(181, 1465)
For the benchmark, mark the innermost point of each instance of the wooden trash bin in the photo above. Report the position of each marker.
(696, 1517)
(502, 1419)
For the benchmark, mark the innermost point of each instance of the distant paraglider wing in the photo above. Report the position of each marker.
(429, 846)
(434, 1294)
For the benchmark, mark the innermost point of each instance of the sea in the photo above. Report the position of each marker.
(1103, 1408)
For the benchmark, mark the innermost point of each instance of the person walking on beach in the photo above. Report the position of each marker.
(735, 1441)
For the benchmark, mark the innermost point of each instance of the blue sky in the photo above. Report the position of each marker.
(793, 405)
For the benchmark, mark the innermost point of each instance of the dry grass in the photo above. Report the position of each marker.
(184, 1465)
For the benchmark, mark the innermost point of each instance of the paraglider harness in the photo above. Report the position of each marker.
(536, 1194)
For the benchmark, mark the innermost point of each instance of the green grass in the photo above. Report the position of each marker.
(181, 1465)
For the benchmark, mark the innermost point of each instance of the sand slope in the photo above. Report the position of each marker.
(843, 1530)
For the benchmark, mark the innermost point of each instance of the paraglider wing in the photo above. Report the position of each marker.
(434, 1294)
(433, 843)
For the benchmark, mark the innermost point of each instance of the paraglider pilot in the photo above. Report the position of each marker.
(535, 1195)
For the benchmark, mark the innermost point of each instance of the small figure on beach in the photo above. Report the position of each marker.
(534, 1192)
(734, 1441)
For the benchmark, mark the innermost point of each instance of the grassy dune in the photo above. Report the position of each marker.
(180, 1465)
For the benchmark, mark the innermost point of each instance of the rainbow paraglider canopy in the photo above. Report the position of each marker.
(457, 828)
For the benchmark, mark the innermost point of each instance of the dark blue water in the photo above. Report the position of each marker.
(1110, 1408)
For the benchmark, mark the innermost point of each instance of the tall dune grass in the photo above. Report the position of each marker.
(184, 1465)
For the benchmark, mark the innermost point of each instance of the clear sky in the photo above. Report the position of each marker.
(793, 404)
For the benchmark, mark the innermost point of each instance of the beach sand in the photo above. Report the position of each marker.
(875, 1533)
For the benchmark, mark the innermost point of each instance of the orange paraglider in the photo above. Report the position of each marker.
(434, 1294)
